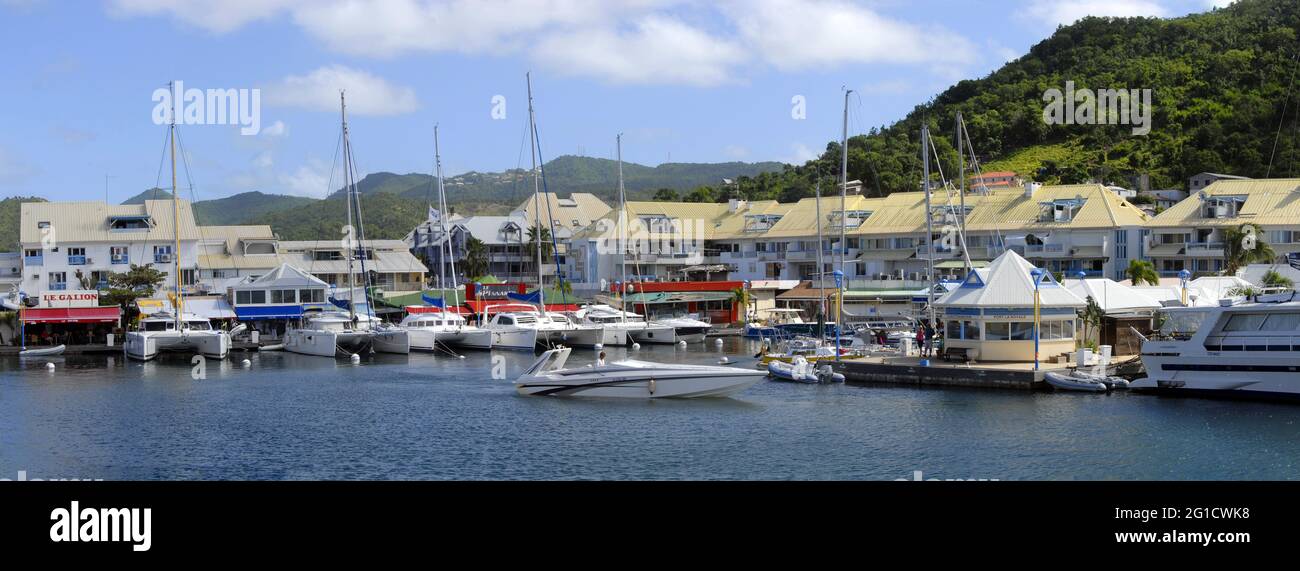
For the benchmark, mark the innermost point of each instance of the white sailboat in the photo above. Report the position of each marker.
(430, 332)
(176, 331)
(339, 333)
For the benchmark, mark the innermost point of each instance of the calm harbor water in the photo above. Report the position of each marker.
(433, 417)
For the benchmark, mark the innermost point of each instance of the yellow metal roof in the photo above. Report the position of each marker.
(1268, 202)
(82, 222)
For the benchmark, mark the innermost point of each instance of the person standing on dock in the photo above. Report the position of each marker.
(920, 339)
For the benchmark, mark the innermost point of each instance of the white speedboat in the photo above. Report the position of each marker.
(432, 331)
(688, 328)
(625, 327)
(162, 332)
(1237, 349)
(631, 379)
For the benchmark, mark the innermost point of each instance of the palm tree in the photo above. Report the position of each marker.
(1274, 279)
(740, 297)
(1140, 271)
(1091, 317)
(546, 241)
(1244, 246)
(476, 258)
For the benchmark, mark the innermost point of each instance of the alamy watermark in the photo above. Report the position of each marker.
(1098, 107)
(242, 107)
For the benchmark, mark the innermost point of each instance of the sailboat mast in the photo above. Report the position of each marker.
(961, 191)
(443, 214)
(929, 218)
(844, 192)
(821, 266)
(348, 189)
(176, 212)
(537, 194)
(622, 230)
(437, 171)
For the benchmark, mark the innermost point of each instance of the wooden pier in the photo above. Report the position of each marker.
(909, 371)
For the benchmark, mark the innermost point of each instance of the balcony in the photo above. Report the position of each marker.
(58, 286)
(33, 260)
(1045, 250)
(1205, 249)
(162, 258)
(119, 259)
(76, 260)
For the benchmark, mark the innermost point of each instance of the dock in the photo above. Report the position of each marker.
(900, 370)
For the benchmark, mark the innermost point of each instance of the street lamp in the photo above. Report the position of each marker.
(1183, 276)
(1037, 274)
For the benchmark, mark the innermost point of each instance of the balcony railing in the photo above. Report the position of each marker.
(162, 258)
(58, 286)
(1204, 247)
(76, 260)
(33, 260)
(121, 259)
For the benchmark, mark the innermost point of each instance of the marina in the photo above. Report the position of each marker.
(425, 416)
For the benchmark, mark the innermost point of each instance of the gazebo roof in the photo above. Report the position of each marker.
(1007, 283)
(284, 276)
(1112, 296)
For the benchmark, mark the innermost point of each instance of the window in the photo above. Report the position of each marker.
(162, 254)
(189, 277)
(119, 255)
(972, 330)
(954, 330)
(243, 297)
(58, 280)
(283, 296)
(1022, 331)
(257, 296)
(1245, 322)
(997, 331)
(1282, 322)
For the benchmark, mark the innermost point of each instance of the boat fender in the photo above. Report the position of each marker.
(50, 367)
(681, 343)
(636, 346)
(246, 363)
(652, 386)
(717, 342)
(355, 358)
(724, 359)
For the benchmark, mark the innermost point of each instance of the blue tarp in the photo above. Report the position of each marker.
(261, 312)
(534, 297)
(433, 301)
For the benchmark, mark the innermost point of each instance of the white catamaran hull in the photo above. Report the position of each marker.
(653, 334)
(147, 345)
(391, 341)
(431, 339)
(514, 339)
(325, 343)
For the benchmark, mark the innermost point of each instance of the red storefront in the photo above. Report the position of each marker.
(711, 300)
(70, 325)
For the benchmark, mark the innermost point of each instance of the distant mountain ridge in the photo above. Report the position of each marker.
(395, 203)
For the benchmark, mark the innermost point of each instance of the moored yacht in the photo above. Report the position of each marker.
(164, 332)
(688, 328)
(327, 334)
(631, 379)
(633, 327)
(1236, 349)
(429, 331)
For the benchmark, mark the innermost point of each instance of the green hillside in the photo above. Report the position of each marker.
(245, 207)
(10, 215)
(1220, 83)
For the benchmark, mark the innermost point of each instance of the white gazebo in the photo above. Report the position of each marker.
(1113, 297)
(991, 314)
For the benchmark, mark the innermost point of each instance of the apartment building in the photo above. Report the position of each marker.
(389, 263)
(1191, 234)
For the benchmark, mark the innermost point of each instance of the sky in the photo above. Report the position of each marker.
(683, 80)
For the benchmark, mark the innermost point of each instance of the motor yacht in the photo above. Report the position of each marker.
(631, 379)
(631, 327)
(1238, 349)
(429, 331)
(688, 328)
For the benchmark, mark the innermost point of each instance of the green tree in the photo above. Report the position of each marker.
(1140, 271)
(545, 239)
(1091, 317)
(476, 259)
(701, 194)
(124, 288)
(1274, 279)
(1244, 246)
(666, 195)
(740, 297)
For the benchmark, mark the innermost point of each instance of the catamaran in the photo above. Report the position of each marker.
(632, 327)
(350, 332)
(176, 331)
(521, 326)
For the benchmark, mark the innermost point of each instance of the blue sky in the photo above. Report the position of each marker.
(685, 80)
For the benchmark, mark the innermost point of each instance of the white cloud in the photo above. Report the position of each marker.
(800, 154)
(691, 42)
(367, 94)
(216, 16)
(1064, 12)
(276, 129)
(655, 50)
(796, 34)
(1219, 3)
(264, 160)
(311, 179)
(735, 152)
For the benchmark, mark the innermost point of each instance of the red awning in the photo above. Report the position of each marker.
(430, 309)
(73, 315)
